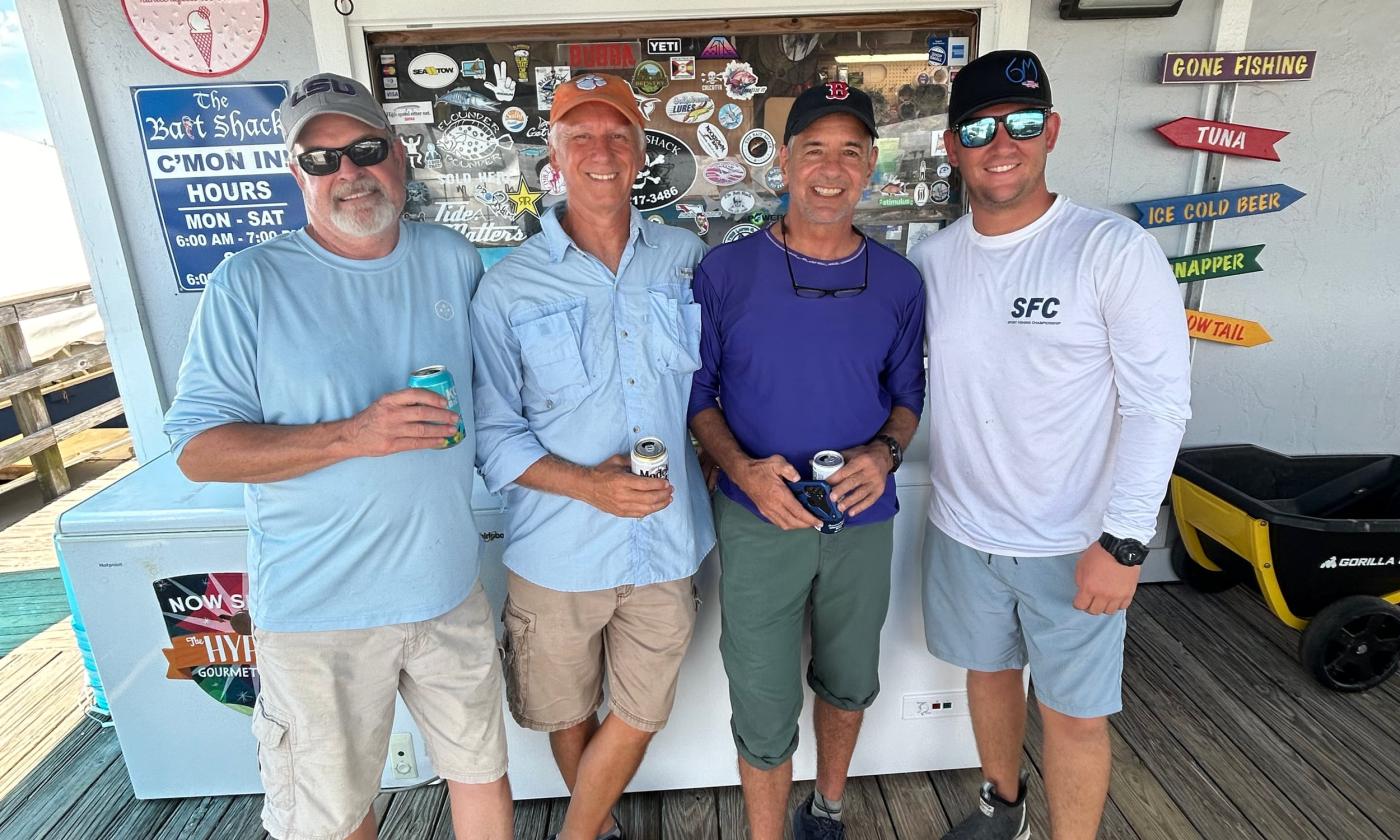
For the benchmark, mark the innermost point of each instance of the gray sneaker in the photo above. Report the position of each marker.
(995, 818)
(808, 826)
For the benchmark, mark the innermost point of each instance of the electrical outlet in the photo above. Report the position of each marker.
(934, 705)
(402, 759)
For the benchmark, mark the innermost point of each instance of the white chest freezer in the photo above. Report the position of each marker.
(157, 567)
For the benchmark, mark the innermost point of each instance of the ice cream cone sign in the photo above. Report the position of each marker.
(202, 34)
(213, 38)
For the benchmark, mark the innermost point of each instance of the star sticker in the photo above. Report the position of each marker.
(524, 199)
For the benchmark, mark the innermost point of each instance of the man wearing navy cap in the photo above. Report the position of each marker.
(1060, 390)
(811, 338)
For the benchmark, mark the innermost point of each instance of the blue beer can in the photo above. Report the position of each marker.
(438, 379)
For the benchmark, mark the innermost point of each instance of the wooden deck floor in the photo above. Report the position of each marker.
(1222, 736)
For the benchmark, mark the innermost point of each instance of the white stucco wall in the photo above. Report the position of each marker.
(1330, 289)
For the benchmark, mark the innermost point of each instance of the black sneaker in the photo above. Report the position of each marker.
(807, 826)
(995, 818)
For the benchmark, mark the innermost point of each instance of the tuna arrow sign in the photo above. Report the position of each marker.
(1226, 138)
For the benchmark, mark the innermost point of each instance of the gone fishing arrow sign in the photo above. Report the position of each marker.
(1225, 138)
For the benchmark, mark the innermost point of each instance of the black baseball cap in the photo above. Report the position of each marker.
(829, 98)
(996, 78)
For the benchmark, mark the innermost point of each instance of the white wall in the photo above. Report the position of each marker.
(1330, 380)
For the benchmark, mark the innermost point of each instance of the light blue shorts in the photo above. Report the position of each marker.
(986, 612)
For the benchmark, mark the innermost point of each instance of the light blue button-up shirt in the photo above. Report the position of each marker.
(576, 361)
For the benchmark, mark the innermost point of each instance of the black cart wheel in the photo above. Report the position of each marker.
(1195, 575)
(1353, 644)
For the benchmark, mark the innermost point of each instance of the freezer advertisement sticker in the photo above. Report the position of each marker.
(211, 635)
(218, 168)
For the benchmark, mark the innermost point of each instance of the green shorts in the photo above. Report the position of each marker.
(768, 576)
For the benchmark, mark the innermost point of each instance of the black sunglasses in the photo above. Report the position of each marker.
(367, 151)
(814, 292)
(1020, 125)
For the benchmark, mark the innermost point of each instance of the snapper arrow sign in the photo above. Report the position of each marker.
(1226, 138)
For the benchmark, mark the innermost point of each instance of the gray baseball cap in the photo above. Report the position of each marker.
(328, 93)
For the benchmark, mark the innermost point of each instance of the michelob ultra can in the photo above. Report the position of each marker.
(438, 379)
(649, 458)
(825, 464)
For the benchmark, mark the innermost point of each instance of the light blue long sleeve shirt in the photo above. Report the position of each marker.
(288, 333)
(576, 361)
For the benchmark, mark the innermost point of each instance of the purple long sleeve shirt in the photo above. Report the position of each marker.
(797, 375)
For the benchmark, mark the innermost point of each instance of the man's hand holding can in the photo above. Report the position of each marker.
(860, 483)
(615, 490)
(399, 421)
(764, 480)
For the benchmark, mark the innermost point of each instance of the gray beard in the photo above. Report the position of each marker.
(362, 223)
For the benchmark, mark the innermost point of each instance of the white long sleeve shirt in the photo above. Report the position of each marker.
(1059, 381)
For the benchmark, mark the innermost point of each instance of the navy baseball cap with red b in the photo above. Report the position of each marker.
(996, 78)
(829, 98)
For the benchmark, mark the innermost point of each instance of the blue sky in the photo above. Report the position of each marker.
(22, 113)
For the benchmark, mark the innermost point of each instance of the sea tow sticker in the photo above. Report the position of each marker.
(1226, 330)
(682, 68)
(691, 108)
(724, 173)
(1249, 201)
(609, 55)
(433, 71)
(409, 113)
(649, 78)
(667, 174)
(736, 202)
(211, 635)
(663, 46)
(1270, 66)
(730, 116)
(218, 168)
(740, 81)
(1225, 138)
(209, 38)
(470, 139)
(712, 140)
(1213, 264)
(719, 47)
(738, 232)
(757, 147)
(546, 80)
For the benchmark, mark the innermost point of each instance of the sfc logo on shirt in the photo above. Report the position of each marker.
(1035, 310)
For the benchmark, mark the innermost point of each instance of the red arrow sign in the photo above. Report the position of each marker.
(1226, 138)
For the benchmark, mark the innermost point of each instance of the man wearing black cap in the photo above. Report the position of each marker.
(811, 339)
(1060, 381)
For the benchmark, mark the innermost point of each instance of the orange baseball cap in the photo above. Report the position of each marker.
(596, 87)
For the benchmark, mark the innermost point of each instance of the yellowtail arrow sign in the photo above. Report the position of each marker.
(1225, 329)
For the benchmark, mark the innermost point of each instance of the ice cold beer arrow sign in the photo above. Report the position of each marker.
(1225, 138)
(1208, 207)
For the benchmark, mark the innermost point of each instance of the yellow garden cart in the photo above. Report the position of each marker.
(1319, 534)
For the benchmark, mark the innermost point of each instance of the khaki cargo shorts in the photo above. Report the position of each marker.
(558, 645)
(326, 707)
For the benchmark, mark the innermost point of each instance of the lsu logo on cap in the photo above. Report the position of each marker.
(1023, 72)
(320, 84)
(837, 90)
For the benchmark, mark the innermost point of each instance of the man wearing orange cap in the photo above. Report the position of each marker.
(586, 338)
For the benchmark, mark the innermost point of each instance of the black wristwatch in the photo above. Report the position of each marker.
(1126, 552)
(896, 451)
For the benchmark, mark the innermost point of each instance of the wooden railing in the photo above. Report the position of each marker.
(22, 384)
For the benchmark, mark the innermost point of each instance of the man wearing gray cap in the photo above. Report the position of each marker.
(362, 553)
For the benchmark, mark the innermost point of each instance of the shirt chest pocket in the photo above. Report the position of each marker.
(675, 329)
(555, 378)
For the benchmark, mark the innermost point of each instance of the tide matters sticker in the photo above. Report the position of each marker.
(211, 635)
(209, 38)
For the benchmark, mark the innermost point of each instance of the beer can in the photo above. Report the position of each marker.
(438, 379)
(825, 464)
(649, 458)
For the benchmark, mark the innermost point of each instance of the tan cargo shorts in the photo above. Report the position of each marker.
(326, 707)
(559, 645)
